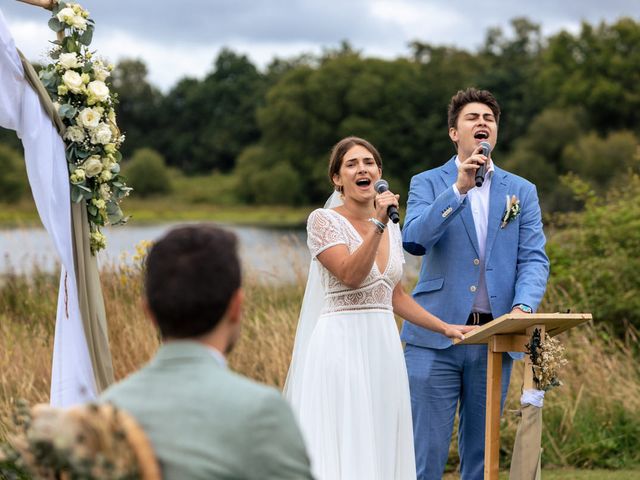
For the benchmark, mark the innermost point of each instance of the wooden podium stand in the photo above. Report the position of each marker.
(510, 333)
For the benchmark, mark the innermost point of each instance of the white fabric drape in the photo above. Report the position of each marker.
(72, 379)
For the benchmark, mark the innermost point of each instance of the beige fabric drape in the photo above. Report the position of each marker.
(525, 462)
(90, 299)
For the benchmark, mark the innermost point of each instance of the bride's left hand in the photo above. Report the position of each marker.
(458, 331)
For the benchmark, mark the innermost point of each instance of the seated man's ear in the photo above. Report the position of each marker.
(234, 309)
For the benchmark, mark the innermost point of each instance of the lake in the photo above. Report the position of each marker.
(272, 255)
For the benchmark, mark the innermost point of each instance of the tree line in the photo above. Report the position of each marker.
(571, 106)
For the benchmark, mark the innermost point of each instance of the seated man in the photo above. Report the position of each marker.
(203, 420)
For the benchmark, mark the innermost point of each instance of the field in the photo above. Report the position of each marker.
(591, 422)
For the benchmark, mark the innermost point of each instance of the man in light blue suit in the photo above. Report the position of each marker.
(484, 256)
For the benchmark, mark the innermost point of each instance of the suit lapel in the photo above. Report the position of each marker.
(449, 176)
(497, 205)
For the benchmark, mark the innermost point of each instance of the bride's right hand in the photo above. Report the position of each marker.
(383, 201)
(458, 331)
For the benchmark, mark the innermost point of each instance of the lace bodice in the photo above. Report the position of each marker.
(327, 228)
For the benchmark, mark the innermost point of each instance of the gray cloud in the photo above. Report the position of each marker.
(264, 29)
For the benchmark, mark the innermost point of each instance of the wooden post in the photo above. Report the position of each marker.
(492, 425)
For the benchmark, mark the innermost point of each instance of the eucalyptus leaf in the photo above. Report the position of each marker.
(86, 36)
(70, 153)
(82, 154)
(56, 25)
(76, 194)
(92, 209)
(70, 45)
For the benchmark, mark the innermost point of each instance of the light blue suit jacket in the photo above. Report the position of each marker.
(442, 229)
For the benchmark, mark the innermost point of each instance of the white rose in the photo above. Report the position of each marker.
(100, 72)
(75, 134)
(92, 166)
(79, 23)
(101, 134)
(68, 60)
(73, 81)
(98, 90)
(105, 191)
(106, 175)
(80, 173)
(88, 118)
(99, 203)
(66, 15)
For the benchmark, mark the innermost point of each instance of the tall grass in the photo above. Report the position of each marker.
(593, 420)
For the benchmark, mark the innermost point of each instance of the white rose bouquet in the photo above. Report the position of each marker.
(79, 86)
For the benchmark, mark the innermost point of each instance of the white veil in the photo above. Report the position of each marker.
(310, 310)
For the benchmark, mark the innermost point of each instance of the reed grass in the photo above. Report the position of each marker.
(593, 420)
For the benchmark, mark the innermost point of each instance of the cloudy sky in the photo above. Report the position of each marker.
(178, 39)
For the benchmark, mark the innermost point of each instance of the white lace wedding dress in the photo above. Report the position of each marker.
(351, 392)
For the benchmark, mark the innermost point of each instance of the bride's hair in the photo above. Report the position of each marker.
(341, 148)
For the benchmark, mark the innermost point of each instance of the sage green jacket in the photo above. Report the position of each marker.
(206, 422)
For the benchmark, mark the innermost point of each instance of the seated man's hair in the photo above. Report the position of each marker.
(191, 275)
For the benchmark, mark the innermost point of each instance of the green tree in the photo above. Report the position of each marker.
(138, 106)
(13, 177)
(508, 68)
(387, 102)
(263, 179)
(147, 173)
(598, 69)
(206, 124)
(538, 156)
(594, 256)
(600, 160)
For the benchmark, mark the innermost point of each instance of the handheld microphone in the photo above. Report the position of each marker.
(382, 186)
(486, 150)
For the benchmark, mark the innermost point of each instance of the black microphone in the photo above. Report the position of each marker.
(486, 150)
(382, 186)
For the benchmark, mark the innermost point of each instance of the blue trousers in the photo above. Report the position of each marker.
(440, 381)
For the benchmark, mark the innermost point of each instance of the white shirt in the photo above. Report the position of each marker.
(215, 353)
(479, 202)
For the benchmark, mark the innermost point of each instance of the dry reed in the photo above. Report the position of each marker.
(601, 377)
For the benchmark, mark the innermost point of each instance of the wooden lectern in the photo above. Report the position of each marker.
(510, 333)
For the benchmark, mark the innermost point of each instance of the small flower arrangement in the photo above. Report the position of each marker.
(512, 211)
(78, 85)
(547, 358)
(90, 442)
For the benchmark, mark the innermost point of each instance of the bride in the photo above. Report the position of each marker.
(348, 381)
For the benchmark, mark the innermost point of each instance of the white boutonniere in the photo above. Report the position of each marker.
(512, 211)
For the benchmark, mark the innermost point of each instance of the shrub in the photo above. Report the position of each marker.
(147, 173)
(13, 178)
(594, 257)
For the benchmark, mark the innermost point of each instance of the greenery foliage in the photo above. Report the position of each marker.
(13, 180)
(594, 254)
(148, 172)
(570, 101)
